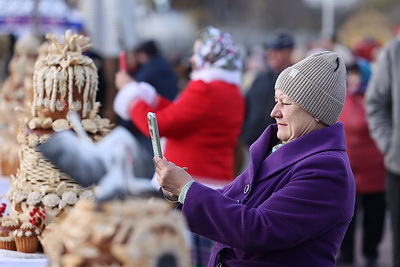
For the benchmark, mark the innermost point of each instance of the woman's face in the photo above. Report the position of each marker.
(196, 48)
(353, 82)
(292, 120)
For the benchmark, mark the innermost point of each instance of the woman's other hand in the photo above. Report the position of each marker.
(121, 79)
(171, 177)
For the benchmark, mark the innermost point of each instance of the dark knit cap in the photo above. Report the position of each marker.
(148, 47)
(280, 40)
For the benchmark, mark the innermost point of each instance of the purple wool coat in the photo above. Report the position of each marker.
(290, 208)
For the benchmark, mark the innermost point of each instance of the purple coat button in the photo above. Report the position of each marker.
(246, 189)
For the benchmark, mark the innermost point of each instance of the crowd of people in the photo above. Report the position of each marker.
(320, 136)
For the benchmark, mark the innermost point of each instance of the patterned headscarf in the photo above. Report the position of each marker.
(217, 50)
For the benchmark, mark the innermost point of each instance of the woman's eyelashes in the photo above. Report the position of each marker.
(283, 101)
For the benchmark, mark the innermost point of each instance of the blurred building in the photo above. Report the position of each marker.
(39, 16)
(115, 25)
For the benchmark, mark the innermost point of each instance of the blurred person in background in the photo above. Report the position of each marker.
(146, 64)
(383, 115)
(368, 48)
(292, 205)
(154, 69)
(260, 97)
(254, 63)
(203, 124)
(332, 43)
(367, 165)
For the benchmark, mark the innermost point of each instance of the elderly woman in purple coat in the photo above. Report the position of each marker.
(293, 203)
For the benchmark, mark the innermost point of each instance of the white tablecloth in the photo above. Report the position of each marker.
(15, 262)
(10, 258)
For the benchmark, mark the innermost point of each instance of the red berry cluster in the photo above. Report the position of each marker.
(37, 216)
(3, 209)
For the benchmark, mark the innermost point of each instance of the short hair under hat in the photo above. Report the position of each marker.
(317, 84)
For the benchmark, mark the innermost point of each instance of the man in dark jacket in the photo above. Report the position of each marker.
(260, 97)
(156, 70)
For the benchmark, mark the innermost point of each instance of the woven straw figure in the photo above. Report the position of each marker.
(64, 80)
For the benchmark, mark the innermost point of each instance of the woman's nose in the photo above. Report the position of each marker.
(275, 112)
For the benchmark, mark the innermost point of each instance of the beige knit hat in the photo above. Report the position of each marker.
(317, 84)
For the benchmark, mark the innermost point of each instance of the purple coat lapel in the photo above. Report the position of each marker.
(331, 138)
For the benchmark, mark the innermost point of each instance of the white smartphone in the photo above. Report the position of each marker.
(154, 134)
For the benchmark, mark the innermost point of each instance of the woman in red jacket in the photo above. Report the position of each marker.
(367, 165)
(203, 124)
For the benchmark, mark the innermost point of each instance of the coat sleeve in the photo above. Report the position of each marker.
(377, 101)
(309, 205)
(179, 118)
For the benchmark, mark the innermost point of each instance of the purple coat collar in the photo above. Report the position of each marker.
(328, 138)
